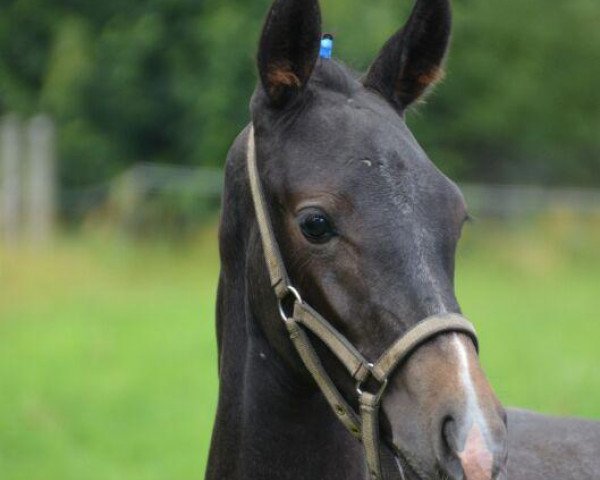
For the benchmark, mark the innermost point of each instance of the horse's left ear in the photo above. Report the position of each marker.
(289, 48)
(411, 61)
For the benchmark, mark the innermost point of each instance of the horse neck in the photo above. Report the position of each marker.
(270, 429)
(267, 426)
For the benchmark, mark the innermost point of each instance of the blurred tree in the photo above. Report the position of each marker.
(169, 81)
(520, 102)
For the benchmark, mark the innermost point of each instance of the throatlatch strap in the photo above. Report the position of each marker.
(277, 273)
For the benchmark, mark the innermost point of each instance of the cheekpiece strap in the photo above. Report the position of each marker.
(277, 272)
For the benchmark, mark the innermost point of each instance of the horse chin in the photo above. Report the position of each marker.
(405, 470)
(399, 466)
(402, 466)
(408, 471)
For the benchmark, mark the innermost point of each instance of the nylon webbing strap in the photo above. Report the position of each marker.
(369, 412)
(367, 427)
(350, 357)
(421, 332)
(277, 273)
(307, 353)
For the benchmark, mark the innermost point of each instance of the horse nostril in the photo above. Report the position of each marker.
(448, 459)
(451, 441)
(464, 451)
(448, 428)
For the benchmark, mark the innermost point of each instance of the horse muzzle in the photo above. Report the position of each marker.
(442, 417)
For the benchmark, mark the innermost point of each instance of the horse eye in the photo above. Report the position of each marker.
(316, 227)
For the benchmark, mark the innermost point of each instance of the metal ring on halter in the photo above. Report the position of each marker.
(381, 389)
(360, 382)
(291, 290)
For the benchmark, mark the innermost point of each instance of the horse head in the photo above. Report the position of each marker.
(368, 228)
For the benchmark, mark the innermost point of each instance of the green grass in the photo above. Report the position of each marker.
(107, 361)
(534, 294)
(107, 348)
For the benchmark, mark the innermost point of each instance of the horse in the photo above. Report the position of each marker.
(337, 244)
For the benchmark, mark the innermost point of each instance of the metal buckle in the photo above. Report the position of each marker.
(359, 385)
(291, 291)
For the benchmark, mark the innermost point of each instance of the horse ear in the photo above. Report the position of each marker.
(289, 48)
(411, 61)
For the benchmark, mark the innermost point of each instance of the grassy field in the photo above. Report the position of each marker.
(107, 355)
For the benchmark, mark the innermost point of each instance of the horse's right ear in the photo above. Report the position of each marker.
(289, 48)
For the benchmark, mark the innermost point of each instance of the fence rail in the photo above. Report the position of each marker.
(507, 201)
(148, 195)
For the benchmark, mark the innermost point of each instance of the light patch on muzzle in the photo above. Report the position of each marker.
(476, 459)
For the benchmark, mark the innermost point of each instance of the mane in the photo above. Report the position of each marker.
(334, 75)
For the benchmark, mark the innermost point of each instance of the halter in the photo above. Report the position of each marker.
(363, 425)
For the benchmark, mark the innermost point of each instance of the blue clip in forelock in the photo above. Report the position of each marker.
(326, 46)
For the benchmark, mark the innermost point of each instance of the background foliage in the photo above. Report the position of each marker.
(107, 351)
(169, 81)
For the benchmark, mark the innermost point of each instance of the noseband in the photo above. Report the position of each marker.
(364, 425)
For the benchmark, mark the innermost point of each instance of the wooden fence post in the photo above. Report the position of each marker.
(41, 180)
(10, 178)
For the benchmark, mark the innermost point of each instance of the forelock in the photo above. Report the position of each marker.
(335, 76)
